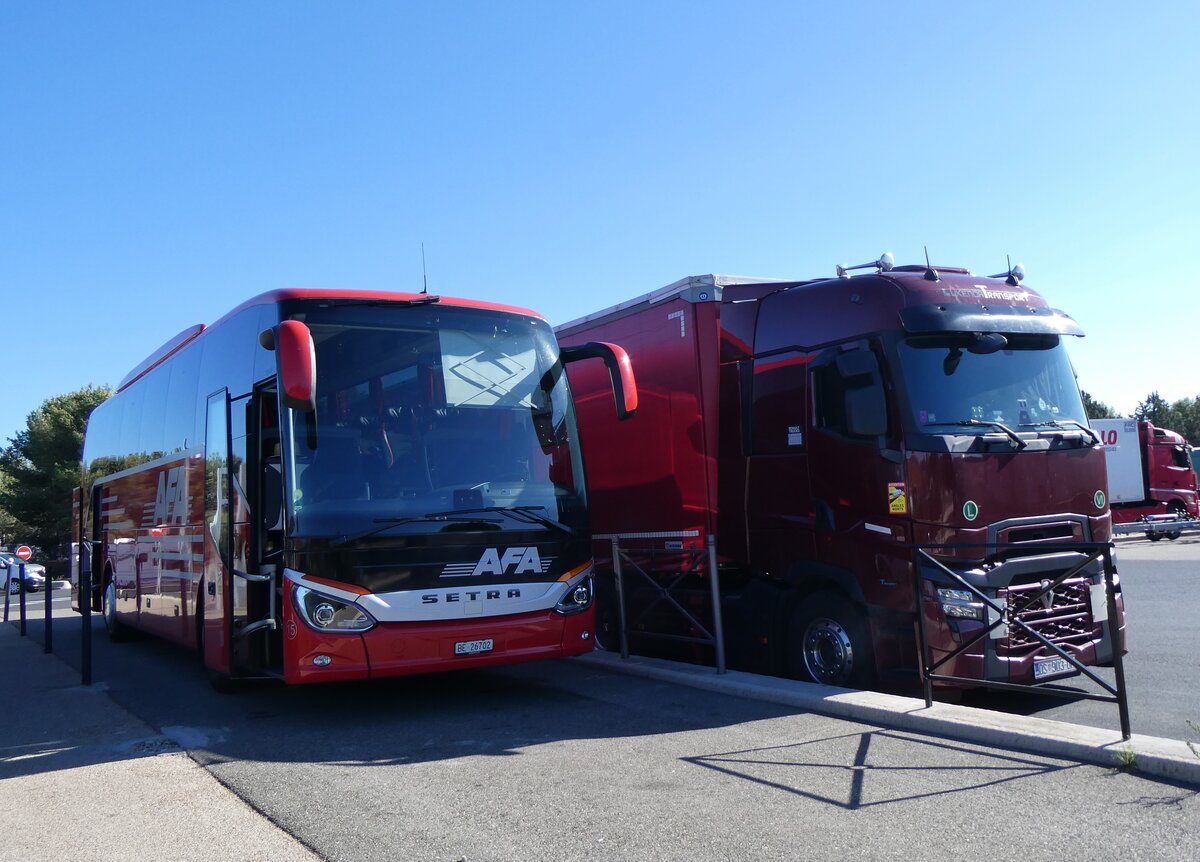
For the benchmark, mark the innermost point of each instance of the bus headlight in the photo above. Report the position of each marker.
(327, 614)
(577, 598)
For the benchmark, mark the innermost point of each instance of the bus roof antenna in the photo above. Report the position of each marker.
(424, 276)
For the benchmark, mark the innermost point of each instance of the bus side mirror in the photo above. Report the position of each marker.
(620, 370)
(295, 362)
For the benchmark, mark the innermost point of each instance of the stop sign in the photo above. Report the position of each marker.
(24, 552)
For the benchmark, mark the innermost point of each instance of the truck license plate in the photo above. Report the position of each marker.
(1053, 667)
(473, 647)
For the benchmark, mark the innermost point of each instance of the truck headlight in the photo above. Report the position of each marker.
(960, 604)
(577, 598)
(328, 614)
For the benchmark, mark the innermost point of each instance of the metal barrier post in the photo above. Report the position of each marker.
(616, 558)
(7, 587)
(21, 581)
(1115, 636)
(48, 643)
(85, 598)
(714, 583)
(926, 681)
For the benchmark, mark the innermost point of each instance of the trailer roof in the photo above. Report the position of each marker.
(675, 289)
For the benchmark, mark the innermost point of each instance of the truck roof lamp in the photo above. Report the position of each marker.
(1015, 274)
(884, 264)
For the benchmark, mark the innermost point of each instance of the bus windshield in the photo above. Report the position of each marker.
(961, 379)
(433, 418)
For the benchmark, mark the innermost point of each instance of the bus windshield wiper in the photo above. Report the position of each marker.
(388, 523)
(1066, 423)
(527, 514)
(984, 423)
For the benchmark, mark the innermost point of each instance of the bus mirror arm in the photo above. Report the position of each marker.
(620, 370)
(295, 363)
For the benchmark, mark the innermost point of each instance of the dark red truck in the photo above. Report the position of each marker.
(820, 429)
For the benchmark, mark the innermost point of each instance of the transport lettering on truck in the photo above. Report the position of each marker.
(820, 429)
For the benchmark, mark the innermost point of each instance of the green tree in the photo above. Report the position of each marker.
(42, 464)
(1097, 409)
(1154, 409)
(1185, 414)
(10, 529)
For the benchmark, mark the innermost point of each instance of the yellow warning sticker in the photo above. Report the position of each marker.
(897, 499)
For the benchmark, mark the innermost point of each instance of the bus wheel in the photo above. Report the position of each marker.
(829, 642)
(117, 630)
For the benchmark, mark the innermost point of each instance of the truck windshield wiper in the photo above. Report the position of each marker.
(983, 423)
(1066, 423)
(388, 523)
(527, 514)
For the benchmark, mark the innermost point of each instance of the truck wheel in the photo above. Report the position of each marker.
(829, 642)
(1179, 512)
(117, 630)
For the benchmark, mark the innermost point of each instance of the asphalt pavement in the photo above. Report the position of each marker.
(554, 760)
(81, 779)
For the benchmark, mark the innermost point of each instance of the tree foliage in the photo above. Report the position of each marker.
(1154, 408)
(42, 467)
(1097, 409)
(1182, 416)
(10, 529)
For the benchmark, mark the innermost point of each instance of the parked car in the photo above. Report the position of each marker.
(35, 574)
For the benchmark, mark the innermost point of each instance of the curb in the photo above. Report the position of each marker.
(1170, 759)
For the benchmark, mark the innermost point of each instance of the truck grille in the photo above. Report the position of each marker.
(1067, 619)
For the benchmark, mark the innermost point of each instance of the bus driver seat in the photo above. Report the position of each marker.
(336, 472)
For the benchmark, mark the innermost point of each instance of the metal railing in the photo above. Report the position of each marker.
(634, 559)
(1009, 614)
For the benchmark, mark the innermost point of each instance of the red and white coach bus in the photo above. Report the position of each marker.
(346, 485)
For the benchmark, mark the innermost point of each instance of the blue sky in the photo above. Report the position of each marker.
(161, 162)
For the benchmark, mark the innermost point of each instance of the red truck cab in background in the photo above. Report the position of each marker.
(821, 429)
(1149, 471)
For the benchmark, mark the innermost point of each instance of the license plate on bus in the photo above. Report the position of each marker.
(473, 647)
(1053, 667)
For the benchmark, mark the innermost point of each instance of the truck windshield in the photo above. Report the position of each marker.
(962, 378)
(428, 417)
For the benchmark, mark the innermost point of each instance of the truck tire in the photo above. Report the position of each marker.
(829, 642)
(1176, 509)
(117, 630)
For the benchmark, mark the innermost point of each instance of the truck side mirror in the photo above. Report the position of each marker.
(866, 410)
(856, 363)
(295, 362)
(620, 370)
(866, 403)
